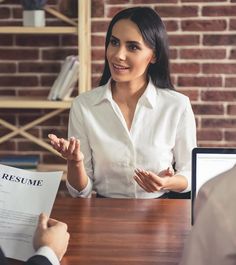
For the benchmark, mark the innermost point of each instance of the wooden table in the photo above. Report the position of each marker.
(123, 231)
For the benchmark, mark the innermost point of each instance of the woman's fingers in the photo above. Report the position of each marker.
(148, 180)
(141, 184)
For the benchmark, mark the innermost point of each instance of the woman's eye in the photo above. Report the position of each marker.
(114, 42)
(133, 47)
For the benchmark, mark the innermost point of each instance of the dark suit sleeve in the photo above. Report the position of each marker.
(38, 260)
(35, 260)
(3, 260)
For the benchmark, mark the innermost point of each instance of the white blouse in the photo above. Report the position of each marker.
(163, 132)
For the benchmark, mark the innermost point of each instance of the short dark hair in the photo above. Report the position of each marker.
(154, 34)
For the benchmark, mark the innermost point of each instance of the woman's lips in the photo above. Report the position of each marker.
(119, 68)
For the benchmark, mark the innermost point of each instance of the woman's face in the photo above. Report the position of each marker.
(127, 54)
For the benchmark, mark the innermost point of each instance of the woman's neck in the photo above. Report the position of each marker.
(127, 91)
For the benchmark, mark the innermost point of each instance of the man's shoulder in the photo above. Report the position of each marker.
(220, 188)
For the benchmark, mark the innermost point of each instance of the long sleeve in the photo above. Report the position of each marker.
(184, 144)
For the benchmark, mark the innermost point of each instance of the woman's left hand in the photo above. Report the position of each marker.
(152, 182)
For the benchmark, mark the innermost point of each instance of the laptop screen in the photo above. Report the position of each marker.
(208, 163)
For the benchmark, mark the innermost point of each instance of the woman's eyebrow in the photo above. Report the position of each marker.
(129, 41)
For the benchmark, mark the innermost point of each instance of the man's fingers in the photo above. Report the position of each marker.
(42, 221)
(54, 222)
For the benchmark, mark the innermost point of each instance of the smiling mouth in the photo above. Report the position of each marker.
(119, 67)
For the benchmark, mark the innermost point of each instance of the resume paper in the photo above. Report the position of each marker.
(24, 195)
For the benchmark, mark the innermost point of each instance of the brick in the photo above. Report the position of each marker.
(204, 25)
(43, 67)
(7, 67)
(52, 159)
(19, 54)
(97, 8)
(112, 11)
(24, 145)
(116, 2)
(173, 54)
(28, 117)
(47, 80)
(218, 123)
(95, 81)
(6, 40)
(187, 68)
(232, 24)
(202, 81)
(210, 135)
(58, 54)
(42, 93)
(7, 92)
(218, 95)
(98, 54)
(98, 41)
(17, 12)
(99, 26)
(154, 1)
(219, 68)
(97, 68)
(60, 132)
(183, 40)
(4, 12)
(213, 54)
(230, 135)
(229, 10)
(232, 54)
(34, 131)
(16, 81)
(171, 25)
(218, 144)
(177, 11)
(214, 40)
(69, 40)
(7, 146)
(231, 109)
(202, 1)
(230, 82)
(206, 109)
(37, 40)
(10, 23)
(192, 94)
(8, 116)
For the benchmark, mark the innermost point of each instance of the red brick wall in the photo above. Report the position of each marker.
(202, 36)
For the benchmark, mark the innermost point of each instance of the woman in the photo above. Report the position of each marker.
(126, 134)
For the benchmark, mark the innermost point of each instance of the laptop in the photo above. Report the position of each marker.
(208, 163)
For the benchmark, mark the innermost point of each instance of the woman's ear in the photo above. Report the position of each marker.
(154, 59)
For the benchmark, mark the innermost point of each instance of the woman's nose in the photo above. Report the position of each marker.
(121, 53)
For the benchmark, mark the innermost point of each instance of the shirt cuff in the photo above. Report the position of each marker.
(49, 254)
(86, 192)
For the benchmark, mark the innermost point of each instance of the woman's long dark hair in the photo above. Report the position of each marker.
(154, 34)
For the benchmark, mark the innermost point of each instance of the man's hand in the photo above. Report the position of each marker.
(53, 234)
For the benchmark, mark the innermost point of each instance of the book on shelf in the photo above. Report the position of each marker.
(20, 161)
(66, 80)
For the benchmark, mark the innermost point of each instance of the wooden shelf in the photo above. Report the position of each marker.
(32, 103)
(35, 30)
(83, 32)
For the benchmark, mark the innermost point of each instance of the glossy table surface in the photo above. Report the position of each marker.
(123, 231)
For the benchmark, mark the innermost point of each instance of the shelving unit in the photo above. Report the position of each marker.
(84, 84)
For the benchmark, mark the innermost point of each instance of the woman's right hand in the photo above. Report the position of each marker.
(69, 149)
